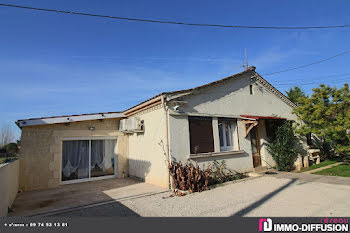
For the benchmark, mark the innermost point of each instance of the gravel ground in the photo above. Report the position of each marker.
(106, 210)
(263, 196)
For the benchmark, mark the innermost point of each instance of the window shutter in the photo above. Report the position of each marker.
(201, 135)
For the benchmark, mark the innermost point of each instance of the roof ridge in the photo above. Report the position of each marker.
(249, 69)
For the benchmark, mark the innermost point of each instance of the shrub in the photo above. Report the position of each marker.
(12, 148)
(219, 173)
(284, 147)
(191, 177)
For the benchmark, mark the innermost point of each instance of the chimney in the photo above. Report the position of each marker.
(252, 68)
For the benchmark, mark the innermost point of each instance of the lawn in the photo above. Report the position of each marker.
(339, 170)
(322, 164)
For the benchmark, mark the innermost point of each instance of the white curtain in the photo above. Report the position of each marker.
(110, 154)
(103, 153)
(75, 158)
(97, 153)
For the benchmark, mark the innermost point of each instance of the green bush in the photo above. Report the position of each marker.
(8, 159)
(284, 147)
(11, 148)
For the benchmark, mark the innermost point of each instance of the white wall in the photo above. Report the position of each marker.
(146, 155)
(232, 98)
(9, 180)
(179, 137)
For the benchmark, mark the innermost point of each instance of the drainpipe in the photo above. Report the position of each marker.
(167, 137)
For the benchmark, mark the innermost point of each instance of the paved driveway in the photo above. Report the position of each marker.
(270, 195)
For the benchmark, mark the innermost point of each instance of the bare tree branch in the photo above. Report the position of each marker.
(6, 135)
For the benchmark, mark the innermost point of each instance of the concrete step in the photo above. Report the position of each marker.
(260, 169)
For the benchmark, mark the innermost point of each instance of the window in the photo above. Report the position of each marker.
(227, 134)
(201, 135)
(84, 159)
(251, 89)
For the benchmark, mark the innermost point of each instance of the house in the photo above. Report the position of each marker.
(230, 119)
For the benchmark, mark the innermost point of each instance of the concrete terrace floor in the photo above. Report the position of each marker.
(281, 194)
(80, 194)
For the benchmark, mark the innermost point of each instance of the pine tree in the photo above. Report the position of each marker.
(295, 93)
(326, 113)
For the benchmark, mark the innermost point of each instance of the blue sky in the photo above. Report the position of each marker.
(55, 64)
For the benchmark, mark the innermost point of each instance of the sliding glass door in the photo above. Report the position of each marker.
(75, 160)
(85, 159)
(102, 157)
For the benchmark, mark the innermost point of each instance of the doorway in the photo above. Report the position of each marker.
(254, 139)
(87, 159)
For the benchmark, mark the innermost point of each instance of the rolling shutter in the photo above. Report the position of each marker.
(201, 135)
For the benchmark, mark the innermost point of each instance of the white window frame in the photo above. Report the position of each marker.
(233, 135)
(90, 178)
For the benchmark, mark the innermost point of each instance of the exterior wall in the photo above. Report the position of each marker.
(179, 137)
(9, 177)
(180, 146)
(147, 151)
(233, 98)
(41, 150)
(228, 100)
(266, 158)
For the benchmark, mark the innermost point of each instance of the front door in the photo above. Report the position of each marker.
(254, 139)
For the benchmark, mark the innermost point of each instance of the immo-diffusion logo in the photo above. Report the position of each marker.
(265, 224)
(326, 225)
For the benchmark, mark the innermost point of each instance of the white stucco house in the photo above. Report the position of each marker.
(230, 119)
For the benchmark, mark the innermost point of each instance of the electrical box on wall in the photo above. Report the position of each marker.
(131, 125)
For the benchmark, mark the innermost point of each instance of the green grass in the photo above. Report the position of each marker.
(339, 170)
(322, 164)
(8, 159)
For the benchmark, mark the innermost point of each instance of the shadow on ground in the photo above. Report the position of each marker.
(256, 204)
(109, 209)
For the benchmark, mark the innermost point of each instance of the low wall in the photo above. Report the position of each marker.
(9, 174)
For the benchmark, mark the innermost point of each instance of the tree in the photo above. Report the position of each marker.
(11, 148)
(6, 135)
(326, 113)
(284, 147)
(295, 93)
